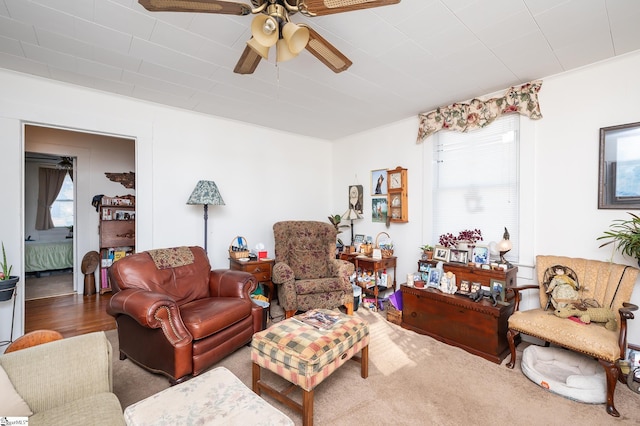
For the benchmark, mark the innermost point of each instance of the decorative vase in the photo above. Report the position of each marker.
(7, 287)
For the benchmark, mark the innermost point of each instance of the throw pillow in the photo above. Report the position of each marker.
(11, 403)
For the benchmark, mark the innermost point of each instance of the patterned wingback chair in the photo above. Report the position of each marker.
(608, 284)
(306, 271)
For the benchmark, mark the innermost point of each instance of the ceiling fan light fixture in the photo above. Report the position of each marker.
(259, 48)
(296, 37)
(283, 54)
(265, 30)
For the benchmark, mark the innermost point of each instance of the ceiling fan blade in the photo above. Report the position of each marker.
(210, 6)
(326, 52)
(327, 7)
(248, 61)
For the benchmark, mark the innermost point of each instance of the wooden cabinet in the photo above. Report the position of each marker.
(117, 234)
(477, 327)
(397, 195)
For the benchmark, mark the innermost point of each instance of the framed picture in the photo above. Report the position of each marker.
(358, 239)
(379, 182)
(459, 256)
(465, 287)
(356, 194)
(619, 181)
(481, 255)
(434, 278)
(499, 287)
(475, 287)
(379, 209)
(441, 253)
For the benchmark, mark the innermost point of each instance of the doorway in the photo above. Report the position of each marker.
(49, 260)
(92, 155)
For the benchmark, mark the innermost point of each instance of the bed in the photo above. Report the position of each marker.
(42, 256)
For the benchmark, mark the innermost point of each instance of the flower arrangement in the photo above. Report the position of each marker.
(470, 236)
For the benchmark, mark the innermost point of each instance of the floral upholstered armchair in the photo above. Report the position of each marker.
(306, 271)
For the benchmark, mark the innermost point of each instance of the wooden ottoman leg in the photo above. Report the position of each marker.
(255, 378)
(307, 407)
(364, 362)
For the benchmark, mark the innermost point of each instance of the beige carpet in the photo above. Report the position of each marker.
(413, 379)
(54, 284)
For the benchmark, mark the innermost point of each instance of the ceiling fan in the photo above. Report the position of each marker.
(272, 26)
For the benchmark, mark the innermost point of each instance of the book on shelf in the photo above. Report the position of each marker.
(319, 319)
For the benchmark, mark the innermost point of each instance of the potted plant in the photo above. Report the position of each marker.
(428, 251)
(625, 235)
(7, 282)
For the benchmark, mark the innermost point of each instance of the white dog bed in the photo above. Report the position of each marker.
(565, 373)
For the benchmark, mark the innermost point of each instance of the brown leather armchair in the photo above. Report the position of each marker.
(175, 315)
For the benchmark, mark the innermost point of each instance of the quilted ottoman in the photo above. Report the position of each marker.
(305, 356)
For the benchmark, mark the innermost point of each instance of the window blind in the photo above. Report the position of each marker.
(476, 180)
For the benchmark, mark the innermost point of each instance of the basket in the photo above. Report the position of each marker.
(393, 315)
(387, 251)
(238, 248)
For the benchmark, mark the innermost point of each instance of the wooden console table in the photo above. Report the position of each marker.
(477, 327)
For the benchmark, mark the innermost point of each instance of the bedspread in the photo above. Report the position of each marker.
(48, 255)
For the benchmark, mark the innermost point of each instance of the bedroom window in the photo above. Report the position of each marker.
(62, 207)
(476, 181)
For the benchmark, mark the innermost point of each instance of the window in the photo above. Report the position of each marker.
(62, 207)
(476, 180)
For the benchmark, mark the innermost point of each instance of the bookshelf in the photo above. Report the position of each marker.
(117, 234)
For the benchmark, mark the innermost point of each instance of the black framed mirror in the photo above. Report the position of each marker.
(619, 174)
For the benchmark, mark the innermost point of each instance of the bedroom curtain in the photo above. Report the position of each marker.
(49, 184)
(478, 113)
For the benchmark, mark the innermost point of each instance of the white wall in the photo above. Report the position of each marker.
(263, 175)
(266, 176)
(559, 166)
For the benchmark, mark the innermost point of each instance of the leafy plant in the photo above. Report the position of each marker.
(625, 235)
(426, 247)
(335, 221)
(6, 269)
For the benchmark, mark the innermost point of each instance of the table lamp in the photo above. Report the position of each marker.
(205, 193)
(503, 247)
(351, 215)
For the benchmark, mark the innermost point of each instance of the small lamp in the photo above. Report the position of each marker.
(505, 246)
(351, 215)
(205, 193)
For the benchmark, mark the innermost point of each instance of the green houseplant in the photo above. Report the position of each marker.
(625, 235)
(428, 251)
(7, 282)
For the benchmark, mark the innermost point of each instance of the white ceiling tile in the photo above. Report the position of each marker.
(407, 58)
(10, 46)
(123, 19)
(18, 30)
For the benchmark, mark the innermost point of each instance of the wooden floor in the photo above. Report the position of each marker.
(69, 315)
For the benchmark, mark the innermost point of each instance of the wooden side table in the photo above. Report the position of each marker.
(260, 269)
(364, 263)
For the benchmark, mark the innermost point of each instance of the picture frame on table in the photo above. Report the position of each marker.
(358, 238)
(499, 287)
(481, 255)
(441, 253)
(379, 182)
(435, 275)
(475, 287)
(465, 287)
(459, 256)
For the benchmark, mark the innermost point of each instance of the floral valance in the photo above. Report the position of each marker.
(478, 113)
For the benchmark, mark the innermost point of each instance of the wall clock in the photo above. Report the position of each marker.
(397, 194)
